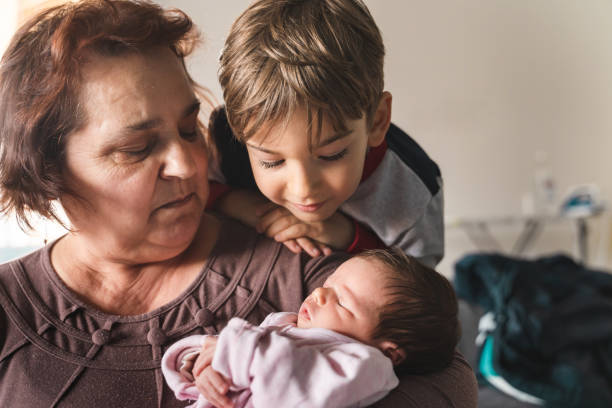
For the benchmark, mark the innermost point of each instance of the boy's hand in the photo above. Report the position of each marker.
(253, 209)
(241, 205)
(212, 385)
(277, 222)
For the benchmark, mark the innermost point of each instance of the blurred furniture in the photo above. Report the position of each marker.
(479, 232)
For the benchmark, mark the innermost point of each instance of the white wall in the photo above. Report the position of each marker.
(483, 85)
(8, 21)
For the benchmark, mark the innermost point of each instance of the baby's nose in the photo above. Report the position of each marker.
(319, 296)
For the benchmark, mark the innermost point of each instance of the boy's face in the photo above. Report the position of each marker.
(311, 182)
(349, 302)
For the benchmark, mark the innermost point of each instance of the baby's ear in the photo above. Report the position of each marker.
(381, 120)
(393, 351)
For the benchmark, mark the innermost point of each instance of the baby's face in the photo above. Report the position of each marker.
(349, 302)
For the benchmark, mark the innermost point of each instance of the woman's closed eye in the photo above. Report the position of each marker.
(189, 127)
(133, 154)
(137, 152)
(335, 157)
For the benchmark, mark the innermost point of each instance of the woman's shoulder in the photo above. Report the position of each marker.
(15, 294)
(237, 240)
(29, 264)
(274, 278)
(455, 386)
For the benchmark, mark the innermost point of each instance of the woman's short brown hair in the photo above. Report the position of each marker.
(421, 315)
(323, 55)
(40, 85)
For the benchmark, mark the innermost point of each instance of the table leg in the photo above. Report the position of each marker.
(583, 236)
(529, 233)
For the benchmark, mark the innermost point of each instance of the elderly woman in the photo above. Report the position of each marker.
(99, 115)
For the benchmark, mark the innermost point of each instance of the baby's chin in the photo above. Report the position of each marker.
(301, 324)
(304, 323)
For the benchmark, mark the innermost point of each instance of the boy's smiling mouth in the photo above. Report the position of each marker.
(308, 207)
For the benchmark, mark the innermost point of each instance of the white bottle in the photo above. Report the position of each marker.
(545, 189)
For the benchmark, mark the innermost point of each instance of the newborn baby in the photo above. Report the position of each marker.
(380, 313)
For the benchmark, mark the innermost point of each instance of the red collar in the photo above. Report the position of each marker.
(373, 159)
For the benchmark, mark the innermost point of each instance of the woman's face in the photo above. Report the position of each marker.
(139, 162)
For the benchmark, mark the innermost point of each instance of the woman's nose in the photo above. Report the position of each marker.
(179, 161)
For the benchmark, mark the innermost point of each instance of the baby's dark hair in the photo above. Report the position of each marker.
(421, 314)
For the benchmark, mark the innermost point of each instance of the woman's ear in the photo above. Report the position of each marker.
(381, 120)
(393, 351)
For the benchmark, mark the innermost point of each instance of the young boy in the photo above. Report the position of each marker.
(307, 124)
(340, 350)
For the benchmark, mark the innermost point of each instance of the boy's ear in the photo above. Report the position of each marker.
(381, 120)
(393, 351)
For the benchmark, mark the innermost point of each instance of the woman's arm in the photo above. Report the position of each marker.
(453, 387)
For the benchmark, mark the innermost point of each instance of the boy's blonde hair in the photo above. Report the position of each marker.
(325, 56)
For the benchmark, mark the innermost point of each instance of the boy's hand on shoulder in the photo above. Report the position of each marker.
(315, 238)
(241, 205)
(275, 219)
(253, 209)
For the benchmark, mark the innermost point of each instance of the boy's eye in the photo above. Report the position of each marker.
(334, 157)
(190, 136)
(270, 164)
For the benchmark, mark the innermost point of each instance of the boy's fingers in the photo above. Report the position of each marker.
(294, 231)
(282, 224)
(265, 208)
(274, 221)
(265, 220)
(308, 246)
(325, 249)
(293, 246)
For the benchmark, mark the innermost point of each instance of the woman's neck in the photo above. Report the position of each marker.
(125, 288)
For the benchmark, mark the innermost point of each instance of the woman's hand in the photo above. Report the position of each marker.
(212, 385)
(315, 238)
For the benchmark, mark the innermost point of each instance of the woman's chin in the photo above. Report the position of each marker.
(177, 236)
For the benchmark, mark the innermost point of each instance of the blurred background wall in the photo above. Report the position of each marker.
(496, 91)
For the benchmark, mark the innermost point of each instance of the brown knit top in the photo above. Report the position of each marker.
(56, 351)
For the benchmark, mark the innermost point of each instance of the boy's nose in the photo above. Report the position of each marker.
(302, 183)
